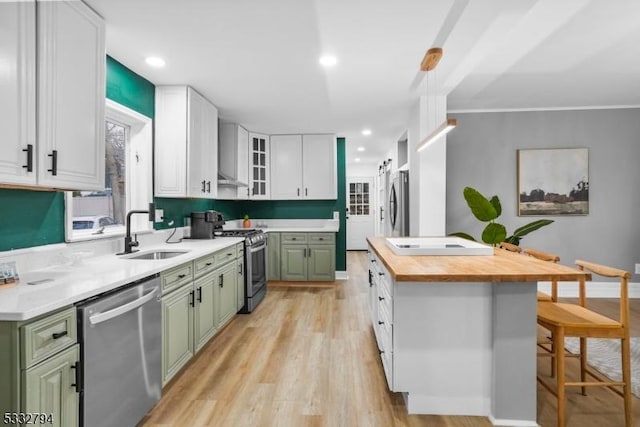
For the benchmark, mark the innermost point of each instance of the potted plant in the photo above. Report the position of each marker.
(487, 210)
(247, 222)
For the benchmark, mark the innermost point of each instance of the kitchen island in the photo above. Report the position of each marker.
(457, 334)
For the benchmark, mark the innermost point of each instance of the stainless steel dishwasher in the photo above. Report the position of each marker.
(121, 353)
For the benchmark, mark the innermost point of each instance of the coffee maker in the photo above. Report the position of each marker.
(203, 224)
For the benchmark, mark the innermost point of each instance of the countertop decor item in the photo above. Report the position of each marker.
(487, 210)
(247, 222)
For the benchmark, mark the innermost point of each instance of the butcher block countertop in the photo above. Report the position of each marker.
(502, 267)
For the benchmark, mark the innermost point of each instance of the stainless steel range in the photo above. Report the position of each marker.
(255, 261)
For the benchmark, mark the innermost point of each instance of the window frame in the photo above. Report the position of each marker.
(138, 195)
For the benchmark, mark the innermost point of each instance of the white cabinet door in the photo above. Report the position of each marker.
(286, 167)
(202, 146)
(186, 144)
(71, 96)
(18, 92)
(259, 187)
(170, 141)
(319, 167)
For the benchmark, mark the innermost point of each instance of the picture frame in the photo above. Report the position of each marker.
(553, 181)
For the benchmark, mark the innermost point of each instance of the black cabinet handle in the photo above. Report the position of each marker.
(204, 183)
(200, 294)
(77, 380)
(321, 238)
(370, 279)
(229, 254)
(381, 273)
(192, 296)
(293, 238)
(373, 261)
(29, 151)
(208, 186)
(181, 276)
(306, 193)
(380, 299)
(240, 268)
(222, 280)
(298, 191)
(380, 352)
(54, 163)
(208, 264)
(57, 335)
(380, 322)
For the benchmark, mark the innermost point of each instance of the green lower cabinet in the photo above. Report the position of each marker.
(227, 280)
(273, 256)
(206, 313)
(177, 331)
(321, 263)
(49, 389)
(293, 262)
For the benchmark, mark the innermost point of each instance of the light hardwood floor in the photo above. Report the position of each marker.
(307, 357)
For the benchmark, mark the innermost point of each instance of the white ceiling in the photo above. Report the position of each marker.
(257, 60)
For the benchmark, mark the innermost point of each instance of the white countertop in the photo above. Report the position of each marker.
(84, 278)
(290, 225)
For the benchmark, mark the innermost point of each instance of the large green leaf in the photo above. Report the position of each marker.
(494, 233)
(495, 202)
(463, 235)
(479, 205)
(532, 226)
(513, 240)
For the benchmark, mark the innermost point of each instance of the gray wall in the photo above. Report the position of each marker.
(481, 153)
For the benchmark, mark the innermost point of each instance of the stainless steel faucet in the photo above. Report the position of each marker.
(130, 243)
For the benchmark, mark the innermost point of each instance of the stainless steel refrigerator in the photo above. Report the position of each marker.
(398, 204)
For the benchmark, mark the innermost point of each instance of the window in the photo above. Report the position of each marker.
(359, 198)
(96, 214)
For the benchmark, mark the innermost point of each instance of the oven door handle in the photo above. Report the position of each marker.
(257, 248)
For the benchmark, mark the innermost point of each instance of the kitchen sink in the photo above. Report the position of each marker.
(156, 255)
(446, 245)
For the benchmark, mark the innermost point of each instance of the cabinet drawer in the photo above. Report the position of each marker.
(225, 255)
(176, 277)
(47, 336)
(329, 238)
(203, 265)
(293, 238)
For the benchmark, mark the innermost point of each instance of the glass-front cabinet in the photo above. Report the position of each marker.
(258, 166)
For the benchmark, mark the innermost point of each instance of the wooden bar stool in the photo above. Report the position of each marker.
(575, 320)
(517, 249)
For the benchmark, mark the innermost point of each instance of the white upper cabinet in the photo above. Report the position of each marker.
(18, 93)
(319, 167)
(286, 167)
(71, 96)
(259, 186)
(70, 63)
(233, 162)
(303, 167)
(186, 144)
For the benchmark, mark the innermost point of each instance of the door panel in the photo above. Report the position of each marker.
(361, 217)
(294, 262)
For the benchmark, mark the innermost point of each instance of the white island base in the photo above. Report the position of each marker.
(466, 349)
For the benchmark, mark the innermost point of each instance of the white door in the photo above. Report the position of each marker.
(360, 219)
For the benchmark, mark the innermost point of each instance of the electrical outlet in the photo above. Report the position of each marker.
(159, 215)
(637, 268)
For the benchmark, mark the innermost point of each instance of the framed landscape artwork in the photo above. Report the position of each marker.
(553, 181)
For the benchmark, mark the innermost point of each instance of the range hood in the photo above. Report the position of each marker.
(227, 180)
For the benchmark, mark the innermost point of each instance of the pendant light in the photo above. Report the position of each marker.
(429, 63)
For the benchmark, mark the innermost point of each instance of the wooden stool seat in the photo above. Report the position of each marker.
(574, 316)
(543, 297)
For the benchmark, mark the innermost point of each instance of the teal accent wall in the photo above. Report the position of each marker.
(30, 218)
(129, 89)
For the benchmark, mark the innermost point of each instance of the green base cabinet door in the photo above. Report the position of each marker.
(240, 284)
(50, 389)
(227, 277)
(321, 263)
(273, 256)
(177, 331)
(206, 316)
(293, 266)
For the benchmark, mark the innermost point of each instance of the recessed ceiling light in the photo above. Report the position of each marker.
(357, 159)
(360, 148)
(156, 62)
(328, 60)
(366, 132)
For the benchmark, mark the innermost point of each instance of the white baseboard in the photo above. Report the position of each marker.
(594, 289)
(341, 275)
(512, 423)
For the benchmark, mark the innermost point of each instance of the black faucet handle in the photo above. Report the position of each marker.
(135, 242)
